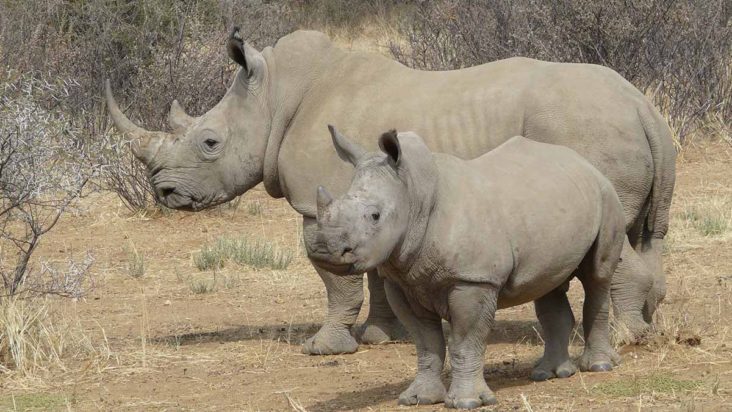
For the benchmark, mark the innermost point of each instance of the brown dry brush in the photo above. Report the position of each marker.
(153, 51)
(678, 51)
(42, 174)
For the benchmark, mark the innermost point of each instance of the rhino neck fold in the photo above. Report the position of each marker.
(294, 65)
(270, 174)
(420, 175)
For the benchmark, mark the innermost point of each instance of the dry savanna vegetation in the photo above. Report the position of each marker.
(112, 302)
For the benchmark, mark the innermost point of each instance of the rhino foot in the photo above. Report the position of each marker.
(330, 340)
(598, 360)
(376, 331)
(423, 391)
(546, 369)
(470, 396)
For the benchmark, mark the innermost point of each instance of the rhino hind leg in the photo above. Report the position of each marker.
(596, 274)
(631, 288)
(557, 321)
(382, 325)
(345, 296)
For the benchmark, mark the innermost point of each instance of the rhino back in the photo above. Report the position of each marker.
(538, 206)
(466, 113)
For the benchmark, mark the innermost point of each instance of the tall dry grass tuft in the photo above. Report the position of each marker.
(35, 340)
(27, 341)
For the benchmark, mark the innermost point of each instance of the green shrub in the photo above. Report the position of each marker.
(256, 254)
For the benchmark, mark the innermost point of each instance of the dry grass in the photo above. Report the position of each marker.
(37, 340)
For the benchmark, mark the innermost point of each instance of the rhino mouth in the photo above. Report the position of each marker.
(334, 265)
(178, 200)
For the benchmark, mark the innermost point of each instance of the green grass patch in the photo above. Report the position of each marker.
(254, 208)
(709, 219)
(712, 225)
(631, 387)
(34, 401)
(202, 286)
(256, 254)
(135, 263)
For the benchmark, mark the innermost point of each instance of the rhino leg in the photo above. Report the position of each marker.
(598, 355)
(596, 274)
(557, 321)
(472, 309)
(650, 252)
(345, 297)
(427, 387)
(382, 325)
(630, 288)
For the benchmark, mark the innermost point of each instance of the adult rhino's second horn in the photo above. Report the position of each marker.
(144, 142)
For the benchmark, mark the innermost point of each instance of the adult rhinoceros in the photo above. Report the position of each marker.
(271, 126)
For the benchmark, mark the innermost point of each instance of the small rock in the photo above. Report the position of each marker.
(166, 303)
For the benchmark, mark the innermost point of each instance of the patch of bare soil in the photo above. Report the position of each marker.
(169, 344)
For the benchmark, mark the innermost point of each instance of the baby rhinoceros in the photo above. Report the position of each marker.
(457, 239)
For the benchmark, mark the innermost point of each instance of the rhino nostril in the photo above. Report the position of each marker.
(346, 250)
(167, 191)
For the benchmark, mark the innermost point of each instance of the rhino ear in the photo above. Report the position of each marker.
(389, 144)
(347, 150)
(243, 54)
(324, 200)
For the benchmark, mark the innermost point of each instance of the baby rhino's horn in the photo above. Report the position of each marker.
(324, 199)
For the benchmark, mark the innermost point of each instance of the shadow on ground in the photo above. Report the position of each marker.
(498, 376)
(505, 331)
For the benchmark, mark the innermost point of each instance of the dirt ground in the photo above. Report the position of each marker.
(158, 345)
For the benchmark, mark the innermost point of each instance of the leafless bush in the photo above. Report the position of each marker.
(124, 175)
(676, 50)
(42, 172)
(153, 51)
(349, 14)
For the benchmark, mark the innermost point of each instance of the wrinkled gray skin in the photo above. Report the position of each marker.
(269, 127)
(457, 239)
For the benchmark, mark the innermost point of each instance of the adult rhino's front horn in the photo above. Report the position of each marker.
(145, 144)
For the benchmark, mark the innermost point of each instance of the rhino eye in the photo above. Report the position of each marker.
(210, 143)
(375, 216)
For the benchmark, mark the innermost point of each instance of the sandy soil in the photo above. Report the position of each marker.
(160, 346)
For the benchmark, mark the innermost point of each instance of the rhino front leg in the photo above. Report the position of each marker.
(382, 325)
(427, 387)
(472, 309)
(345, 297)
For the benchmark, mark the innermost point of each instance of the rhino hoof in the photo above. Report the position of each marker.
(378, 331)
(544, 372)
(330, 341)
(471, 403)
(601, 367)
(539, 375)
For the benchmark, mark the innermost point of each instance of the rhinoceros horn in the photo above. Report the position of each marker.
(178, 119)
(324, 199)
(144, 142)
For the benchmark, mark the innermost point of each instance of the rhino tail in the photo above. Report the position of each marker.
(663, 152)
